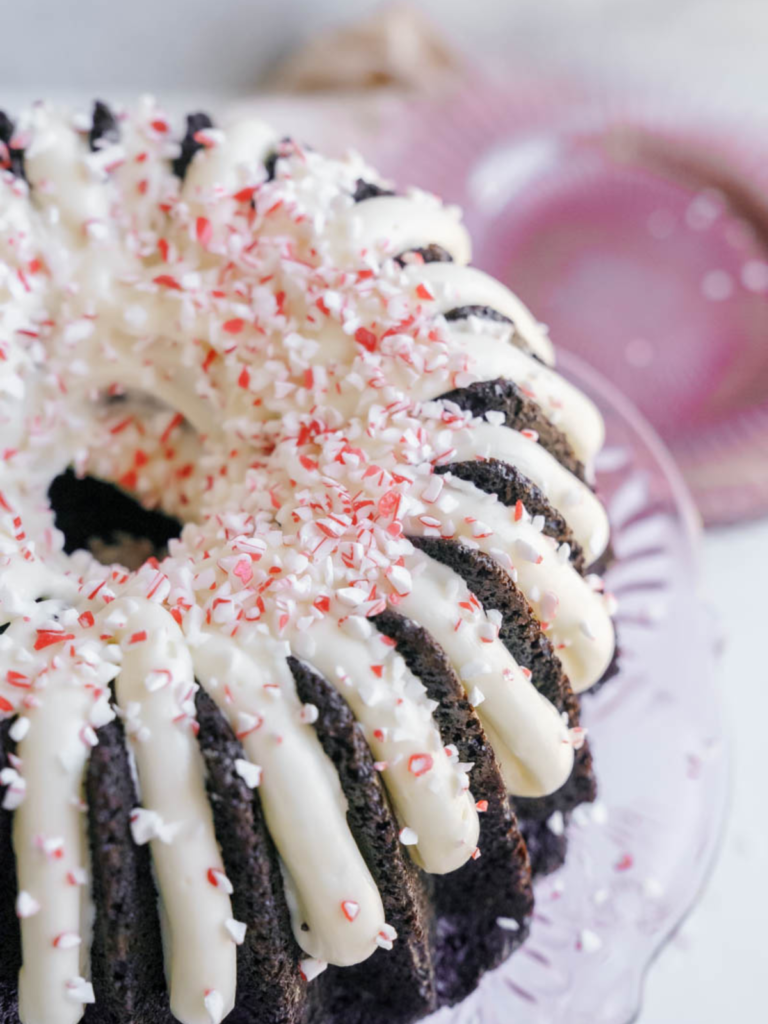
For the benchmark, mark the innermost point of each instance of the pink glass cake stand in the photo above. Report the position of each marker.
(639, 857)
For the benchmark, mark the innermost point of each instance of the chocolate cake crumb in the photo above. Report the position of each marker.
(189, 144)
(87, 509)
(368, 190)
(104, 130)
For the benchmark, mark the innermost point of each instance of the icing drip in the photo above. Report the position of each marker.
(529, 737)
(569, 495)
(429, 796)
(155, 693)
(51, 851)
(301, 796)
(574, 616)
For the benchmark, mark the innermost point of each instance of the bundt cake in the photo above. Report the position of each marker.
(296, 531)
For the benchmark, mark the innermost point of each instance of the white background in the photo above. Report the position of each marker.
(709, 52)
(710, 48)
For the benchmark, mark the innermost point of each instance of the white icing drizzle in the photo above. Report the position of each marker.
(50, 844)
(530, 740)
(391, 706)
(54, 684)
(301, 796)
(578, 620)
(570, 496)
(454, 285)
(155, 692)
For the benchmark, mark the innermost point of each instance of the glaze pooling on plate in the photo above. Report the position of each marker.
(282, 352)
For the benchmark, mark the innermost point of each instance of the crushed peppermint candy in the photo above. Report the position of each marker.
(589, 941)
(350, 909)
(509, 924)
(214, 1005)
(26, 905)
(310, 968)
(236, 930)
(386, 937)
(80, 990)
(250, 773)
(147, 825)
(219, 880)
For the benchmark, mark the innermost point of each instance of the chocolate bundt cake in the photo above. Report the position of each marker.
(296, 528)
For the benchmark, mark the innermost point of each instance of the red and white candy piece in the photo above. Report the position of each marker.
(528, 552)
(386, 937)
(589, 941)
(247, 723)
(578, 736)
(310, 968)
(218, 879)
(400, 579)
(214, 1005)
(157, 679)
(420, 764)
(309, 714)
(16, 791)
(350, 909)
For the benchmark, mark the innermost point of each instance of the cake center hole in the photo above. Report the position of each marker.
(99, 517)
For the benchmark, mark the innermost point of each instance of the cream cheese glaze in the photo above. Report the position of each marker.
(155, 693)
(255, 690)
(277, 374)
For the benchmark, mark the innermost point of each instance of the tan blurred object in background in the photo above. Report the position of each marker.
(397, 47)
